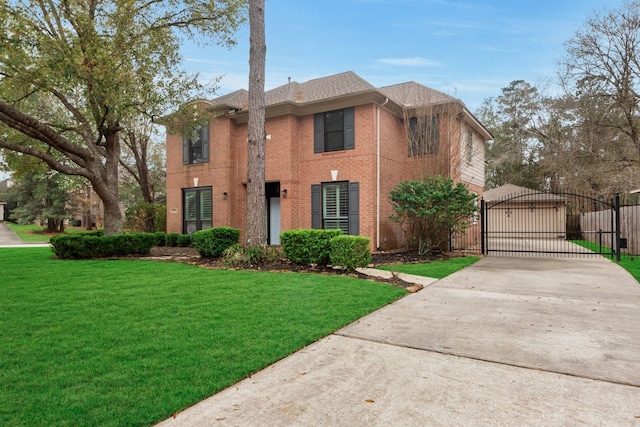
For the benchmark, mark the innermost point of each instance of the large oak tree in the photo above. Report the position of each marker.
(74, 72)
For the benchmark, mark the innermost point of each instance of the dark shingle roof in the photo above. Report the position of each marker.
(329, 87)
(412, 94)
(300, 93)
(236, 99)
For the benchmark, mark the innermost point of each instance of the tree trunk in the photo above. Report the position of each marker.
(256, 233)
(107, 189)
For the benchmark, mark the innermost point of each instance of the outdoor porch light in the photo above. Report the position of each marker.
(284, 193)
(224, 196)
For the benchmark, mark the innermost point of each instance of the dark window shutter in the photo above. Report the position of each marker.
(205, 142)
(185, 150)
(349, 133)
(316, 206)
(318, 133)
(354, 208)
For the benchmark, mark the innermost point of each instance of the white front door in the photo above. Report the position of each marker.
(274, 220)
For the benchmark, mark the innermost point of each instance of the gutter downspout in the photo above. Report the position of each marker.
(378, 172)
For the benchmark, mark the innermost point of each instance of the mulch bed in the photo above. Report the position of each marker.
(190, 256)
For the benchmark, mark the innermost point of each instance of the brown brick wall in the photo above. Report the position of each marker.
(291, 161)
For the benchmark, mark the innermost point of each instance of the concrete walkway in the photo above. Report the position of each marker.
(9, 239)
(506, 341)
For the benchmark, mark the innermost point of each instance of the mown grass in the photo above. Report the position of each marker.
(628, 262)
(33, 233)
(436, 269)
(106, 343)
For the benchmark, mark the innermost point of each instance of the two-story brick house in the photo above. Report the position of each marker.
(335, 148)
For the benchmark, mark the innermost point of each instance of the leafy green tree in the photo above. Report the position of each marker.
(74, 73)
(431, 209)
(41, 198)
(143, 160)
(513, 118)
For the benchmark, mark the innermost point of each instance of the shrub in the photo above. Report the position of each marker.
(171, 239)
(184, 240)
(91, 246)
(238, 255)
(431, 209)
(160, 239)
(307, 246)
(350, 252)
(91, 233)
(212, 242)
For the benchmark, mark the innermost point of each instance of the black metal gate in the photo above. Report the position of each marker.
(535, 223)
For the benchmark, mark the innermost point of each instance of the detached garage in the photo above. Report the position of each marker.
(514, 211)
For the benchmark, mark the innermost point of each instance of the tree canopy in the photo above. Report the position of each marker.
(74, 73)
(587, 136)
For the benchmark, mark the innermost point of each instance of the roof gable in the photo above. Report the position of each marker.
(337, 90)
(414, 95)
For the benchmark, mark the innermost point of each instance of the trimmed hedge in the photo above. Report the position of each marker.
(307, 246)
(91, 246)
(184, 240)
(171, 239)
(350, 252)
(212, 242)
(160, 238)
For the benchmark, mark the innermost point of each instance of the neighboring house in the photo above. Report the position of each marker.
(525, 213)
(335, 148)
(4, 185)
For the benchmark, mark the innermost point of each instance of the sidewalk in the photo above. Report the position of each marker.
(506, 341)
(9, 239)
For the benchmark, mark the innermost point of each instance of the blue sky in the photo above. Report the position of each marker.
(468, 49)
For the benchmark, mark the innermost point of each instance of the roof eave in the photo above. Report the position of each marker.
(302, 108)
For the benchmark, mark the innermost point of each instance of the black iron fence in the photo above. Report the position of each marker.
(535, 223)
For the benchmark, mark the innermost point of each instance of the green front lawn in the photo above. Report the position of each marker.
(129, 342)
(436, 269)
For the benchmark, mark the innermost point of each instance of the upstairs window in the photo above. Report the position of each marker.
(195, 145)
(333, 131)
(424, 135)
(469, 145)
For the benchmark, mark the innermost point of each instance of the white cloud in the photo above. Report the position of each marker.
(410, 62)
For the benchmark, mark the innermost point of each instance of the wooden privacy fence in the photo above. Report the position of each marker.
(592, 222)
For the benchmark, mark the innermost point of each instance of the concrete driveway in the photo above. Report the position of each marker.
(507, 341)
(527, 246)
